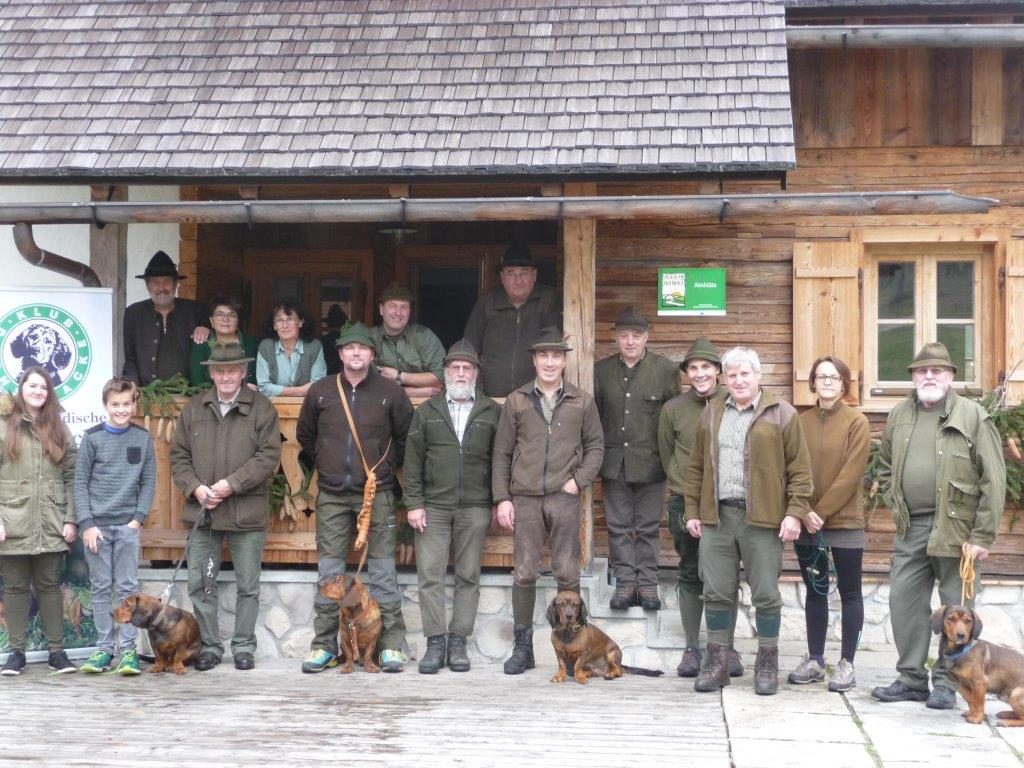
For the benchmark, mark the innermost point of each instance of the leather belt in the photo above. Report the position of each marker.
(733, 503)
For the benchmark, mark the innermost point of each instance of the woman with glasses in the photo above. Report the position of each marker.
(287, 365)
(838, 439)
(224, 321)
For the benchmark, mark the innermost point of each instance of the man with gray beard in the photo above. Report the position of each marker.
(448, 493)
(944, 478)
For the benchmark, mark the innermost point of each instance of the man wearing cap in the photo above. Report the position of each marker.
(944, 478)
(548, 448)
(226, 446)
(506, 321)
(676, 428)
(158, 331)
(630, 388)
(381, 413)
(448, 494)
(407, 353)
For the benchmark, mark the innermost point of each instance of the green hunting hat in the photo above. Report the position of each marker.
(227, 353)
(396, 292)
(517, 255)
(630, 317)
(932, 354)
(462, 350)
(161, 266)
(702, 349)
(550, 338)
(357, 333)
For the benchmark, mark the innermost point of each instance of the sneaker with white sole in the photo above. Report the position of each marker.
(807, 671)
(392, 661)
(14, 664)
(60, 663)
(129, 664)
(317, 660)
(842, 678)
(98, 662)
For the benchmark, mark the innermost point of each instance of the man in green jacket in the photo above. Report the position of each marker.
(630, 388)
(548, 448)
(747, 489)
(408, 354)
(226, 446)
(944, 478)
(448, 493)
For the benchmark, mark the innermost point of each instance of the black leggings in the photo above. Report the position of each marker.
(848, 570)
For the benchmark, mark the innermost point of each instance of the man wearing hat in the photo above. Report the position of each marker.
(506, 321)
(226, 446)
(548, 448)
(630, 388)
(342, 449)
(407, 353)
(944, 478)
(448, 494)
(158, 331)
(676, 428)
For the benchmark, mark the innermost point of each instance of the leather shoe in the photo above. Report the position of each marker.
(898, 691)
(244, 660)
(941, 698)
(206, 661)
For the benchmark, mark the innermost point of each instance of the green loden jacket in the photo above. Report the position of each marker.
(677, 427)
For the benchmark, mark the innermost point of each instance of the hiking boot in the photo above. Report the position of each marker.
(129, 664)
(689, 666)
(625, 597)
(98, 662)
(807, 671)
(715, 672)
(15, 663)
(60, 663)
(898, 691)
(458, 659)
(735, 663)
(522, 651)
(766, 670)
(433, 659)
(841, 679)
(317, 660)
(941, 698)
(648, 597)
(392, 660)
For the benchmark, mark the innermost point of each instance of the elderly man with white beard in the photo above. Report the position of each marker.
(944, 478)
(448, 493)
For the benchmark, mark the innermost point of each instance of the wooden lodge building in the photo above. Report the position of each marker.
(856, 168)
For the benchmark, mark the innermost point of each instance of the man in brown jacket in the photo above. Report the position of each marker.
(548, 448)
(226, 446)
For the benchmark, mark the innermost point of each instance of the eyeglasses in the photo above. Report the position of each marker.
(225, 316)
(824, 378)
(286, 320)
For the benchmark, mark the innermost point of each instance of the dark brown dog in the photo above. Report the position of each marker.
(978, 666)
(173, 633)
(582, 647)
(359, 621)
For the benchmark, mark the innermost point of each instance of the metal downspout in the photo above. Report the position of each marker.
(38, 257)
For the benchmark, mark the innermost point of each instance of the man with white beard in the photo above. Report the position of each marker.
(448, 493)
(944, 478)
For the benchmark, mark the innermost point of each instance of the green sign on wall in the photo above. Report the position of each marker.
(691, 291)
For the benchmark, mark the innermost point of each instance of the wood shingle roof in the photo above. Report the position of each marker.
(327, 88)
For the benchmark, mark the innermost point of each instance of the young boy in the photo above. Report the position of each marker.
(115, 479)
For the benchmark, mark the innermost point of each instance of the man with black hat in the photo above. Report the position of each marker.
(630, 388)
(448, 493)
(944, 478)
(226, 446)
(158, 331)
(676, 428)
(548, 448)
(407, 353)
(349, 439)
(506, 321)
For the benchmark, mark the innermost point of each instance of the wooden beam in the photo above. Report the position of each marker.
(907, 36)
(986, 97)
(108, 256)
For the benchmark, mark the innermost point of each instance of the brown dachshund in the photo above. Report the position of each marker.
(173, 633)
(978, 666)
(582, 647)
(359, 621)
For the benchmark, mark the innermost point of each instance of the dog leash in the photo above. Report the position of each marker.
(165, 596)
(967, 574)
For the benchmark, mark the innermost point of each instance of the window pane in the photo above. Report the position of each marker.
(288, 289)
(895, 351)
(959, 340)
(896, 291)
(955, 290)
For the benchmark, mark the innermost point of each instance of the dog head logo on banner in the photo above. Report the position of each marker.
(47, 336)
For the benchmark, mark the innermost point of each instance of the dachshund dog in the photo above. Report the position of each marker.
(359, 621)
(173, 633)
(979, 667)
(582, 647)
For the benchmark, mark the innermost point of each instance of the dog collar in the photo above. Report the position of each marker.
(962, 652)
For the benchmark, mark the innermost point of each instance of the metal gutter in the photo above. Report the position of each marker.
(906, 36)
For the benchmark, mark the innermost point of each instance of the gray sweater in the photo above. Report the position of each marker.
(115, 477)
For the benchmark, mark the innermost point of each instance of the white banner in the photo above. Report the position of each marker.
(67, 331)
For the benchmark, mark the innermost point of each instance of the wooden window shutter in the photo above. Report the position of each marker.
(826, 311)
(1014, 321)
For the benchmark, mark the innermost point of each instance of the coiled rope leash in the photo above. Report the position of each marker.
(967, 574)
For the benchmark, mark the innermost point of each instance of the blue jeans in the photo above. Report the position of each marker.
(116, 562)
